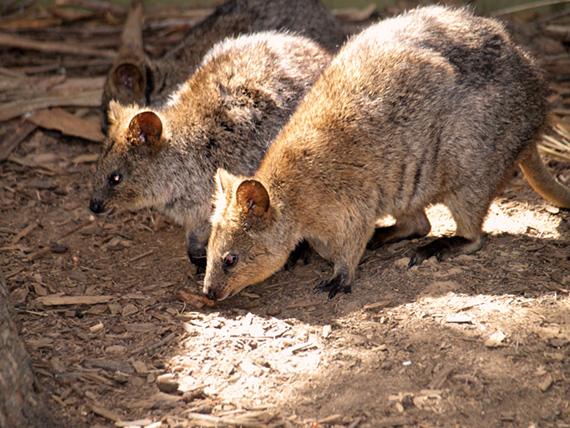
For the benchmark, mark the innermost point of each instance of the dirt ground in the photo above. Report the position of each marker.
(478, 341)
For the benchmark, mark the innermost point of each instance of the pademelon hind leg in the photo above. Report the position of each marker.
(468, 236)
(406, 227)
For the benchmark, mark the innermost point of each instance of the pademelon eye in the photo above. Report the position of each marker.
(115, 178)
(229, 261)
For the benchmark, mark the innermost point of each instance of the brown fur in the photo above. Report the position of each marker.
(434, 106)
(162, 76)
(224, 116)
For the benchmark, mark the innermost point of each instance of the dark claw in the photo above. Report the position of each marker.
(441, 248)
(334, 286)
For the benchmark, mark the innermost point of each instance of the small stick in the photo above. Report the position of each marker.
(303, 305)
(15, 138)
(41, 253)
(355, 422)
(525, 7)
(553, 153)
(77, 227)
(17, 108)
(439, 379)
(23, 233)
(13, 41)
(94, 5)
(154, 345)
(140, 256)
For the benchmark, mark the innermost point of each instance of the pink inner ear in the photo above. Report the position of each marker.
(146, 127)
(253, 197)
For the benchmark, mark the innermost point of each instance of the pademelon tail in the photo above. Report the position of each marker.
(542, 181)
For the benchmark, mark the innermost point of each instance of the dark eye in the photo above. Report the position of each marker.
(115, 178)
(229, 260)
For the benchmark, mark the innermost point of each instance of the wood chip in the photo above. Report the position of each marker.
(129, 310)
(106, 413)
(12, 141)
(111, 365)
(140, 367)
(495, 340)
(73, 300)
(355, 422)
(330, 420)
(246, 420)
(14, 41)
(11, 110)
(440, 378)
(558, 342)
(39, 254)
(459, 319)
(378, 305)
(303, 305)
(23, 233)
(87, 158)
(95, 328)
(77, 227)
(67, 124)
(302, 347)
(545, 384)
(250, 369)
(396, 421)
(196, 300)
(167, 384)
(140, 256)
(137, 423)
(553, 357)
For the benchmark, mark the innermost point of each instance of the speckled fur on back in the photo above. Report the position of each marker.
(434, 106)
(309, 18)
(224, 116)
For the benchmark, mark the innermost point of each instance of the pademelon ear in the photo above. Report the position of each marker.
(224, 180)
(129, 79)
(253, 198)
(145, 130)
(114, 111)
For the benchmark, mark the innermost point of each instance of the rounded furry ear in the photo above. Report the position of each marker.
(224, 179)
(145, 130)
(253, 198)
(128, 78)
(114, 111)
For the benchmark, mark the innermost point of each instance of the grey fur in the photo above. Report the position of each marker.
(162, 76)
(224, 116)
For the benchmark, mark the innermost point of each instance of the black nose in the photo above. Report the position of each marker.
(212, 294)
(96, 206)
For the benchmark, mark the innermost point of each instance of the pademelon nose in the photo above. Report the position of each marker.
(96, 206)
(212, 294)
